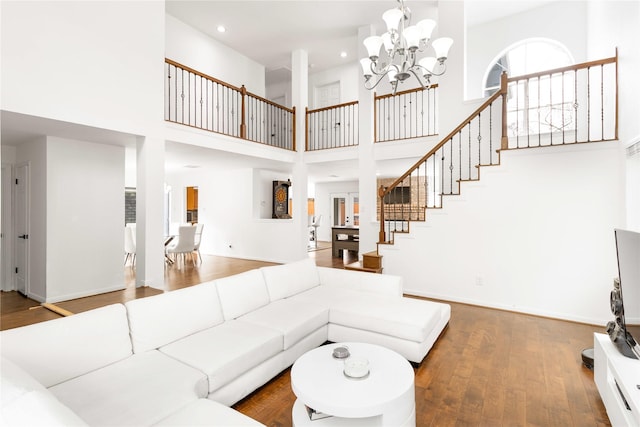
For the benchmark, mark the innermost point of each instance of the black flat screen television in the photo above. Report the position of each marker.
(625, 296)
(398, 196)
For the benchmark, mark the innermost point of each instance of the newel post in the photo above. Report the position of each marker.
(243, 121)
(293, 142)
(381, 236)
(306, 128)
(504, 141)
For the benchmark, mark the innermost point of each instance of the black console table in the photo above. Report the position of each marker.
(344, 238)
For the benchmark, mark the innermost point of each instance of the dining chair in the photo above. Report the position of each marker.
(184, 244)
(130, 243)
(198, 239)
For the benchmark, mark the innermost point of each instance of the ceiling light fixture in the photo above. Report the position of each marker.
(402, 42)
(221, 29)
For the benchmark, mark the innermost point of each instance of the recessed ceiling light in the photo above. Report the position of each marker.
(343, 54)
(221, 29)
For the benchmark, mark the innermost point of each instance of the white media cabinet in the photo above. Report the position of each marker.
(618, 381)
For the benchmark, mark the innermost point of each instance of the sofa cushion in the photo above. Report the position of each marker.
(294, 319)
(161, 319)
(73, 345)
(226, 351)
(242, 293)
(405, 318)
(290, 279)
(205, 412)
(326, 296)
(140, 390)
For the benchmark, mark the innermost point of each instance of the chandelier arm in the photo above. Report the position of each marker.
(380, 75)
(417, 76)
(433, 73)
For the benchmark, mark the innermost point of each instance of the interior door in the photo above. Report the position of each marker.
(6, 235)
(345, 210)
(22, 228)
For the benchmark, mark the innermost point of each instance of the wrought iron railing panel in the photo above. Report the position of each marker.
(269, 123)
(568, 105)
(407, 114)
(332, 127)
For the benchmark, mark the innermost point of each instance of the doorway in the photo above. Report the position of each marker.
(345, 210)
(7, 229)
(21, 228)
(192, 205)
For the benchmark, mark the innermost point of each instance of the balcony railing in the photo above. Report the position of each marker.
(564, 105)
(407, 114)
(197, 100)
(332, 127)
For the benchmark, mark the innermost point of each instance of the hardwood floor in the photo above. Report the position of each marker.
(488, 368)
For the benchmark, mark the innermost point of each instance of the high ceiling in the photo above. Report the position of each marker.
(268, 31)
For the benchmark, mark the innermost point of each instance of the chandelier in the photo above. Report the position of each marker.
(402, 42)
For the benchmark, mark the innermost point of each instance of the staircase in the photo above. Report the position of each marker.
(559, 107)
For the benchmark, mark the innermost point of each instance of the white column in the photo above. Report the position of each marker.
(451, 84)
(369, 225)
(149, 213)
(299, 97)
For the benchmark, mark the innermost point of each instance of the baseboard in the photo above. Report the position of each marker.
(514, 309)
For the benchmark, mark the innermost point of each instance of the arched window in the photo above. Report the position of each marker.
(525, 57)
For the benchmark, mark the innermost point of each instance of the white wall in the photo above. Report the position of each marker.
(196, 50)
(93, 63)
(349, 77)
(534, 235)
(229, 206)
(614, 24)
(85, 218)
(564, 21)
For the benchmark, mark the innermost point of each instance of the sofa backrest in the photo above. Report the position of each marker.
(241, 293)
(385, 284)
(290, 279)
(162, 319)
(60, 349)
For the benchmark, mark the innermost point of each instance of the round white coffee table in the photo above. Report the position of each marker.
(386, 397)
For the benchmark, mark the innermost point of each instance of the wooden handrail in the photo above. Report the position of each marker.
(191, 70)
(273, 104)
(489, 101)
(332, 107)
(404, 92)
(574, 67)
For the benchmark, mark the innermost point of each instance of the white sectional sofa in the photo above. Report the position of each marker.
(183, 357)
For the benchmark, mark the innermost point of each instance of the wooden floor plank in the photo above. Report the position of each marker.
(488, 368)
